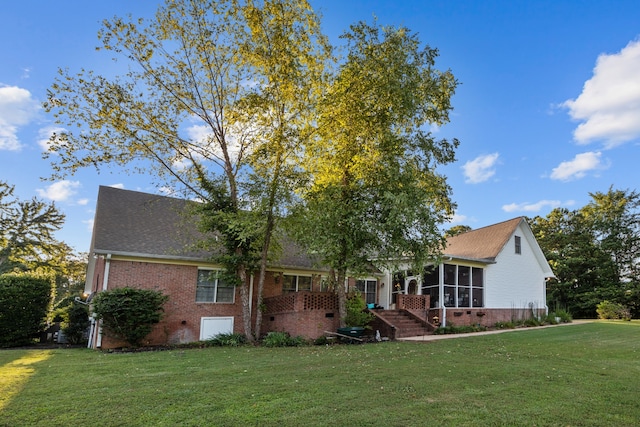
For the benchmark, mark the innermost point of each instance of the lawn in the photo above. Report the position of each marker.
(577, 375)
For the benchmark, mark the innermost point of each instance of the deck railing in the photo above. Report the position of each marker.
(301, 301)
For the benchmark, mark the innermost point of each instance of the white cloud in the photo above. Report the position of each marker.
(45, 133)
(531, 207)
(480, 169)
(17, 108)
(578, 167)
(609, 105)
(120, 186)
(59, 191)
(83, 202)
(458, 218)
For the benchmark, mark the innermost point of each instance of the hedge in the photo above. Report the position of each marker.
(25, 301)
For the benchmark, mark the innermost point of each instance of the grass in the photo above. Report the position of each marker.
(578, 375)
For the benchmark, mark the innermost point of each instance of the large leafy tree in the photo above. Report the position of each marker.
(27, 240)
(374, 188)
(213, 105)
(593, 252)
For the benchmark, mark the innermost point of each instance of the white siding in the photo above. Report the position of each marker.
(516, 280)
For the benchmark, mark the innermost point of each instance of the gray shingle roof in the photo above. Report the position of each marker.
(141, 224)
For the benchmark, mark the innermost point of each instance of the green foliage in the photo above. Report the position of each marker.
(463, 329)
(227, 340)
(505, 325)
(27, 230)
(593, 252)
(356, 314)
(128, 313)
(25, 301)
(612, 310)
(283, 339)
(564, 315)
(77, 322)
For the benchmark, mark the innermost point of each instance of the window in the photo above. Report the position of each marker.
(291, 283)
(368, 289)
(431, 285)
(463, 286)
(518, 245)
(211, 287)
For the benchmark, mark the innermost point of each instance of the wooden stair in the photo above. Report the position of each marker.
(405, 324)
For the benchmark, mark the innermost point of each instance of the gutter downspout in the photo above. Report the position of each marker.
(105, 282)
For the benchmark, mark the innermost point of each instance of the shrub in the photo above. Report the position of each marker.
(77, 323)
(356, 316)
(25, 301)
(563, 315)
(452, 329)
(129, 314)
(282, 339)
(227, 340)
(612, 310)
(505, 325)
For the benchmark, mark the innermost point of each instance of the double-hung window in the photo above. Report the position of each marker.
(212, 288)
(292, 283)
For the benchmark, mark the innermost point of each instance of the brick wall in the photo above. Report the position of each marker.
(181, 322)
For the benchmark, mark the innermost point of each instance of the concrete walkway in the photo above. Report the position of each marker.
(495, 331)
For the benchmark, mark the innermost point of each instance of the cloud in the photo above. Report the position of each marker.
(480, 169)
(45, 134)
(458, 218)
(609, 105)
(532, 207)
(578, 167)
(120, 186)
(83, 202)
(17, 108)
(59, 191)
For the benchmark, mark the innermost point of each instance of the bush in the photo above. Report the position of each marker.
(612, 310)
(505, 325)
(25, 301)
(563, 315)
(77, 322)
(282, 339)
(129, 314)
(356, 316)
(452, 329)
(227, 340)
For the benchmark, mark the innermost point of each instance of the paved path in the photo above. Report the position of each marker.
(495, 331)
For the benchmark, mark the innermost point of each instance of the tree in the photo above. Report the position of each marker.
(208, 79)
(27, 229)
(457, 229)
(374, 187)
(593, 252)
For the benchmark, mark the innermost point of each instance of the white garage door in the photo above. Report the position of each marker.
(212, 326)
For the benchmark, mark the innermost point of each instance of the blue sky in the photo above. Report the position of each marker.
(548, 109)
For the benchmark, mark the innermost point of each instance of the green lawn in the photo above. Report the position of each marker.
(577, 375)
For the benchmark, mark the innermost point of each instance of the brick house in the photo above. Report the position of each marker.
(147, 241)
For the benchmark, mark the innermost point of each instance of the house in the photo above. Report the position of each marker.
(148, 241)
